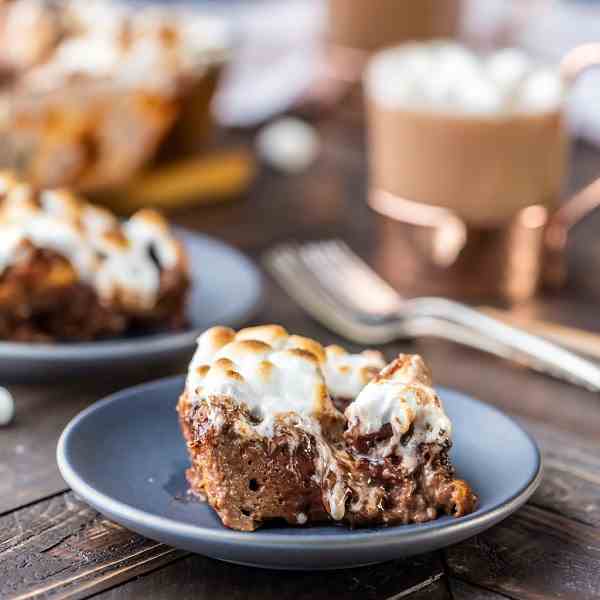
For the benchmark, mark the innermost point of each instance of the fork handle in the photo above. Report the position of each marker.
(576, 340)
(523, 347)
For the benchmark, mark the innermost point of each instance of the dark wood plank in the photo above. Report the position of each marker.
(62, 548)
(461, 590)
(514, 556)
(537, 552)
(199, 578)
(571, 482)
(532, 555)
(28, 469)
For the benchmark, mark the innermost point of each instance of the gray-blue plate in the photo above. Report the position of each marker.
(125, 456)
(226, 290)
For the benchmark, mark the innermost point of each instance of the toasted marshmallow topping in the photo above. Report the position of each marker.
(443, 76)
(345, 374)
(148, 48)
(122, 262)
(270, 382)
(29, 28)
(401, 396)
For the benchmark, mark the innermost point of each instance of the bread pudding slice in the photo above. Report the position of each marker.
(72, 271)
(266, 440)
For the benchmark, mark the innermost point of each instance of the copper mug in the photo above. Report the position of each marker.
(472, 202)
(356, 28)
(369, 25)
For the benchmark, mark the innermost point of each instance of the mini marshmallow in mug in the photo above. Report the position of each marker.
(448, 78)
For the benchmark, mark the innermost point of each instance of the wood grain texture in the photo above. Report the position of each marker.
(62, 548)
(28, 470)
(199, 578)
(461, 590)
(553, 549)
(571, 482)
(27, 467)
(532, 555)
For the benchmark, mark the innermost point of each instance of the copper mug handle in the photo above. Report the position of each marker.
(582, 204)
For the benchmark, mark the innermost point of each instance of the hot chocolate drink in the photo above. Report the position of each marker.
(373, 24)
(481, 136)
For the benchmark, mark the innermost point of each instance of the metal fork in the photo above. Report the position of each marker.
(338, 288)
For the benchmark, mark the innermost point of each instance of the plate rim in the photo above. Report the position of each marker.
(143, 345)
(359, 539)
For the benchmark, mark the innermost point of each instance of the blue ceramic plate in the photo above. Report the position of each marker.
(226, 290)
(125, 456)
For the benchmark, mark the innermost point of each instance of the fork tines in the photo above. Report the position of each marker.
(345, 277)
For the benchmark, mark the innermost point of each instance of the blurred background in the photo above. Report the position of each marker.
(247, 119)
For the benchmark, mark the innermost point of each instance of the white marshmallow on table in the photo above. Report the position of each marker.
(7, 407)
(288, 144)
(443, 76)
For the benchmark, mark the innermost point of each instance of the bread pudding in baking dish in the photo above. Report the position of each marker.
(267, 440)
(92, 91)
(72, 271)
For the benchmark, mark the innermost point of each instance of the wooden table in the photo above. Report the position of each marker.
(52, 545)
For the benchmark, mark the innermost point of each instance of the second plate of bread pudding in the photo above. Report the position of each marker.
(70, 270)
(82, 289)
(92, 92)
